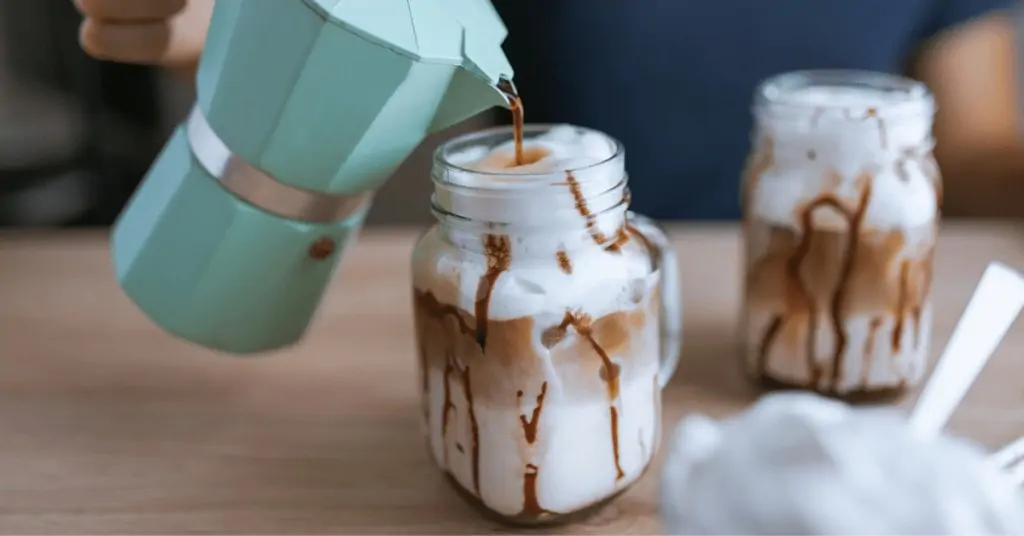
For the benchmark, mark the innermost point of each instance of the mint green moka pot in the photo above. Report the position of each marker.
(305, 107)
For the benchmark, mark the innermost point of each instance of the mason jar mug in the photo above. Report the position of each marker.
(841, 203)
(547, 319)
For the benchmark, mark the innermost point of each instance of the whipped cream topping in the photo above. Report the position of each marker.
(484, 183)
(539, 209)
(560, 148)
(797, 463)
(829, 138)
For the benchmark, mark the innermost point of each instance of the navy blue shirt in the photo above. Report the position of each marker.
(673, 79)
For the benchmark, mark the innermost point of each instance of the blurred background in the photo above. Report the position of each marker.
(76, 135)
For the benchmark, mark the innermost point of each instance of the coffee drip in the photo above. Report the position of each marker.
(515, 104)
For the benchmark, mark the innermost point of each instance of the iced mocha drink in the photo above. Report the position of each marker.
(538, 302)
(841, 206)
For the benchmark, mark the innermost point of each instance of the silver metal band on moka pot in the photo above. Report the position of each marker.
(259, 188)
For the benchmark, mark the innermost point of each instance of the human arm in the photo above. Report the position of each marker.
(972, 68)
(165, 33)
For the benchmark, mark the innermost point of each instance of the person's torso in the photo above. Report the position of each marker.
(673, 79)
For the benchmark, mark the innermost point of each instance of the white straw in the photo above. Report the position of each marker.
(991, 310)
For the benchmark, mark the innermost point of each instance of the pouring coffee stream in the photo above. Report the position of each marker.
(515, 103)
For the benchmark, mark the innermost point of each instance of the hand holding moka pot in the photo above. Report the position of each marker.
(305, 107)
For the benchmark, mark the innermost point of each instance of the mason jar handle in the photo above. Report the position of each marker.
(671, 325)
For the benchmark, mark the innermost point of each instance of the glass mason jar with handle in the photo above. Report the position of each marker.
(841, 202)
(547, 319)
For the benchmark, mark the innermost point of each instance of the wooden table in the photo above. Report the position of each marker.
(109, 426)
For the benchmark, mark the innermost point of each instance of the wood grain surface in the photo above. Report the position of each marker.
(109, 426)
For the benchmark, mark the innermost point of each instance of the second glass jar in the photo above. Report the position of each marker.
(841, 202)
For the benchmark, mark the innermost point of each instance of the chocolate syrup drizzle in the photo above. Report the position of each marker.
(901, 305)
(564, 263)
(581, 206)
(531, 505)
(452, 368)
(610, 373)
(448, 406)
(498, 250)
(794, 264)
(530, 425)
(856, 220)
(869, 350)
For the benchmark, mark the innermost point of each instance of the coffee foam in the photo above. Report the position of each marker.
(801, 464)
(534, 285)
(483, 183)
(824, 138)
(542, 219)
(847, 96)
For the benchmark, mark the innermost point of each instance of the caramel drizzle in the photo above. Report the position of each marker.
(622, 234)
(530, 425)
(856, 219)
(425, 380)
(474, 429)
(451, 367)
(564, 263)
(434, 308)
(871, 113)
(498, 250)
(448, 406)
(625, 230)
(609, 374)
(869, 350)
(581, 207)
(793, 268)
(621, 239)
(615, 442)
(531, 503)
(440, 311)
(901, 306)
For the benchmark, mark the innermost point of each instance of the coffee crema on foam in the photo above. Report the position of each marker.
(831, 162)
(537, 312)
